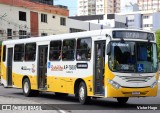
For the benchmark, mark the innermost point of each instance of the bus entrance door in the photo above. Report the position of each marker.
(9, 66)
(99, 66)
(42, 67)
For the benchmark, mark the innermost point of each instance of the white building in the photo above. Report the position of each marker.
(97, 7)
(108, 20)
(148, 20)
(22, 19)
(79, 26)
(146, 5)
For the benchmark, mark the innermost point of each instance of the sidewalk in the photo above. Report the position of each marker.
(11, 100)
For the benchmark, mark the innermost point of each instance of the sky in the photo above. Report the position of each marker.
(72, 5)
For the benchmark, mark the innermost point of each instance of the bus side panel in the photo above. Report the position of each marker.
(33, 80)
(3, 74)
(17, 80)
(24, 69)
(60, 84)
(53, 83)
(3, 69)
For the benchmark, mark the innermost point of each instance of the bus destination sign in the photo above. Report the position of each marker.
(133, 35)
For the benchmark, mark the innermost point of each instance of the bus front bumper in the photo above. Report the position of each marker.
(131, 92)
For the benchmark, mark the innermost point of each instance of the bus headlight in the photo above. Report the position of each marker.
(154, 84)
(114, 84)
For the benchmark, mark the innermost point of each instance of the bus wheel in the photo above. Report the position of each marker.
(82, 94)
(122, 100)
(27, 88)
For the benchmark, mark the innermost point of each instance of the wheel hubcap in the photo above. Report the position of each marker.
(81, 93)
(26, 87)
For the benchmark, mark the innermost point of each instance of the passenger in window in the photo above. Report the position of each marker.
(60, 56)
(78, 56)
(83, 56)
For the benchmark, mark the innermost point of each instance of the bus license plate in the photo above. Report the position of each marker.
(135, 93)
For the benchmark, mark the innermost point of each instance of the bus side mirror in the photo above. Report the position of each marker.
(109, 49)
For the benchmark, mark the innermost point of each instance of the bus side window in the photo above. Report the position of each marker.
(30, 52)
(55, 50)
(84, 49)
(19, 52)
(4, 53)
(68, 49)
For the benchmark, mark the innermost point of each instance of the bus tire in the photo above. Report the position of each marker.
(122, 100)
(82, 94)
(27, 88)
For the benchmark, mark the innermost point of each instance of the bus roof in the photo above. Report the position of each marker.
(66, 36)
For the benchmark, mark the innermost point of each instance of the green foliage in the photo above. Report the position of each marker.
(158, 42)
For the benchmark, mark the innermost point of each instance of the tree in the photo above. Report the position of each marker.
(158, 41)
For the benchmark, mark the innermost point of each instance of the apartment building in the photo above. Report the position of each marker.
(97, 7)
(147, 20)
(145, 5)
(25, 18)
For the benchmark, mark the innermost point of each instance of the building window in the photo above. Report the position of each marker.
(30, 52)
(62, 21)
(55, 50)
(44, 18)
(19, 52)
(9, 33)
(146, 17)
(72, 30)
(68, 50)
(84, 49)
(44, 34)
(22, 16)
(22, 34)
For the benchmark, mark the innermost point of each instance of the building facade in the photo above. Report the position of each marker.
(145, 5)
(97, 7)
(22, 19)
(108, 20)
(147, 20)
(49, 2)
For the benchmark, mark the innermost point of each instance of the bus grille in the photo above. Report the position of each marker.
(139, 79)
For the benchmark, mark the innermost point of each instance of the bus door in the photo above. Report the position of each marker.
(9, 66)
(99, 66)
(42, 66)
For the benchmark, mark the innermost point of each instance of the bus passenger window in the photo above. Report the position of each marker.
(4, 53)
(84, 49)
(55, 50)
(68, 49)
(30, 52)
(19, 52)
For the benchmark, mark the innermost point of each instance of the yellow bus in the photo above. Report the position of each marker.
(114, 63)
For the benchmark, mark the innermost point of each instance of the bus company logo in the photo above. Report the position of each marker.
(56, 68)
(33, 68)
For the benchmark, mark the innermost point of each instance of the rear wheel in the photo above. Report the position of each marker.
(122, 100)
(27, 89)
(82, 94)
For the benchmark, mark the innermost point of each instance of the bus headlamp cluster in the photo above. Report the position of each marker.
(154, 84)
(114, 84)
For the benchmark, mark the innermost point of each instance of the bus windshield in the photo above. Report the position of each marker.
(140, 57)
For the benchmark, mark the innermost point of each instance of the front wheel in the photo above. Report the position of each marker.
(122, 100)
(82, 94)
